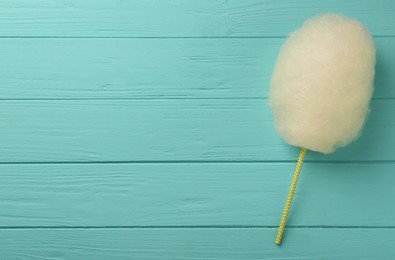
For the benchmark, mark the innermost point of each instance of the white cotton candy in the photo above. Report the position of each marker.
(323, 82)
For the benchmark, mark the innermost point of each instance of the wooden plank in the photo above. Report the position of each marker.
(195, 243)
(167, 130)
(237, 194)
(152, 68)
(166, 18)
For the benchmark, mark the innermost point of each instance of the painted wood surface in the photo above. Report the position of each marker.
(152, 68)
(197, 243)
(180, 18)
(202, 194)
(167, 130)
(141, 130)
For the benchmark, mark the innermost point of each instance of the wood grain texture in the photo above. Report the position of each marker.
(182, 194)
(152, 68)
(180, 18)
(195, 243)
(167, 130)
(141, 130)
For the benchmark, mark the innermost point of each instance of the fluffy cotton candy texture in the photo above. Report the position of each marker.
(323, 82)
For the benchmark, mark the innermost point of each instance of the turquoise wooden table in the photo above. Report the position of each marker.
(141, 130)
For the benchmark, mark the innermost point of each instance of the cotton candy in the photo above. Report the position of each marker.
(323, 82)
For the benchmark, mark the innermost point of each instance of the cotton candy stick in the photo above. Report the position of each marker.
(321, 88)
(291, 193)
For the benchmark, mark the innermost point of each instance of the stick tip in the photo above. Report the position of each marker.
(279, 236)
